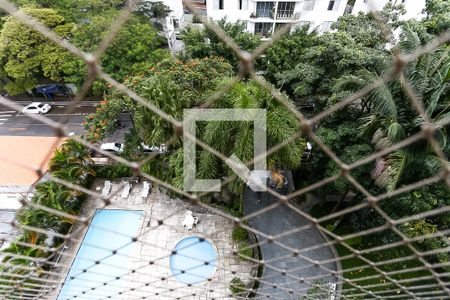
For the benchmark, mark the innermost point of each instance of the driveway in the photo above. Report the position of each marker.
(275, 222)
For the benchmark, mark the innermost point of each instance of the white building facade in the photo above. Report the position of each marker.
(264, 17)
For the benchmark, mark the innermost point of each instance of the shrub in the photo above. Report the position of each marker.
(245, 251)
(319, 289)
(113, 171)
(239, 234)
(237, 286)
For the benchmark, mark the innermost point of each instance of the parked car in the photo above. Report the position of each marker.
(161, 149)
(112, 147)
(37, 108)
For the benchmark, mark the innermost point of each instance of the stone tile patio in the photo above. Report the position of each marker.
(152, 277)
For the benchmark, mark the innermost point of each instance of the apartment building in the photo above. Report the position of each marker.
(264, 17)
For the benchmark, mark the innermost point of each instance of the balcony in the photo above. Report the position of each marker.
(261, 15)
(287, 16)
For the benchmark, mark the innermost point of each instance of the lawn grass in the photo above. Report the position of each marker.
(375, 282)
(369, 277)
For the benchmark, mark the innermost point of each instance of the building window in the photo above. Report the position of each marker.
(333, 5)
(243, 4)
(264, 9)
(309, 4)
(176, 23)
(218, 4)
(326, 26)
(263, 29)
(285, 10)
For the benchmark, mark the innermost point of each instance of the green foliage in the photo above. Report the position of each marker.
(27, 56)
(103, 121)
(281, 125)
(318, 290)
(205, 43)
(245, 251)
(239, 234)
(290, 48)
(237, 286)
(113, 171)
(76, 11)
(438, 16)
(419, 228)
(135, 49)
(71, 155)
(72, 162)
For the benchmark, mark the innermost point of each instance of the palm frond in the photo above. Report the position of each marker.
(394, 165)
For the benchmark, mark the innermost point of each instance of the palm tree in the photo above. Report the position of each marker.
(54, 196)
(167, 96)
(390, 116)
(237, 137)
(72, 162)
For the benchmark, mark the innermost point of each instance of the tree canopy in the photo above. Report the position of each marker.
(27, 56)
(206, 43)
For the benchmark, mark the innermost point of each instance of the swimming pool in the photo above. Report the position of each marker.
(98, 245)
(193, 260)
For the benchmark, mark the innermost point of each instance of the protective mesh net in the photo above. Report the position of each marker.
(138, 267)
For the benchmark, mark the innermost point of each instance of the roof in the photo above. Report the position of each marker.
(21, 155)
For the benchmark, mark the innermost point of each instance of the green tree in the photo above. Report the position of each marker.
(171, 86)
(136, 48)
(205, 43)
(438, 16)
(237, 286)
(290, 49)
(27, 56)
(72, 162)
(281, 125)
(391, 117)
(76, 10)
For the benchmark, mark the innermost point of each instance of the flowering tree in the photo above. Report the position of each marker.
(171, 86)
(102, 122)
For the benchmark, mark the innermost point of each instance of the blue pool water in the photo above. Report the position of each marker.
(120, 226)
(196, 257)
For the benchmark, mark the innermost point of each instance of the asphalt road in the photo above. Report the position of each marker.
(280, 220)
(13, 123)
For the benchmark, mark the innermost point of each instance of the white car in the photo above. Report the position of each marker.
(112, 147)
(161, 149)
(37, 108)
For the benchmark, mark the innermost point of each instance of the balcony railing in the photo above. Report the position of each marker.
(262, 14)
(287, 15)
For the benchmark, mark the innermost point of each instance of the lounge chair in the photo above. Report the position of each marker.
(106, 189)
(126, 190)
(146, 189)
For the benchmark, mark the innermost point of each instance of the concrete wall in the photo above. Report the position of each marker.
(230, 10)
(320, 14)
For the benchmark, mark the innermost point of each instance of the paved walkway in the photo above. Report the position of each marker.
(274, 222)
